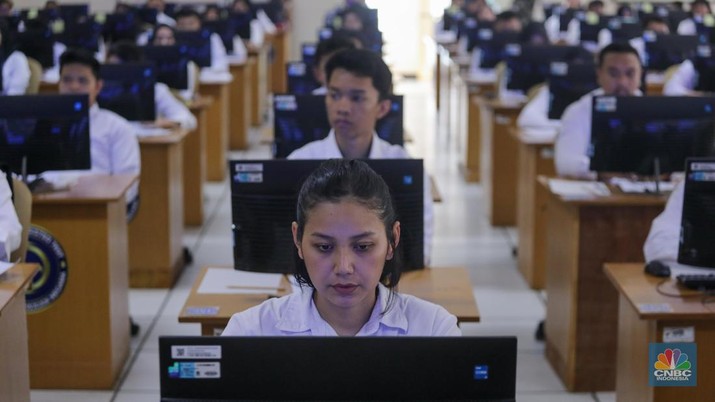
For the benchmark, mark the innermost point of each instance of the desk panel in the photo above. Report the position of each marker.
(217, 122)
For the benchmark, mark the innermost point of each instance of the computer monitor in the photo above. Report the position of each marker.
(591, 26)
(198, 45)
(224, 30)
(171, 64)
(704, 63)
(567, 83)
(44, 132)
(146, 15)
(675, 17)
(622, 31)
(128, 90)
(301, 80)
(629, 134)
(83, 34)
(300, 119)
(37, 41)
(665, 50)
(529, 65)
(241, 24)
(697, 233)
(493, 46)
(264, 194)
(308, 51)
(120, 26)
(73, 12)
(476, 32)
(362, 368)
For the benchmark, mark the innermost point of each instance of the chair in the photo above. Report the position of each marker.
(23, 208)
(33, 87)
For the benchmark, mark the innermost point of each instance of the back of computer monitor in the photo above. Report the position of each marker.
(264, 195)
(171, 64)
(198, 45)
(128, 90)
(704, 63)
(697, 232)
(301, 80)
(634, 133)
(338, 368)
(44, 132)
(529, 65)
(38, 43)
(567, 83)
(663, 50)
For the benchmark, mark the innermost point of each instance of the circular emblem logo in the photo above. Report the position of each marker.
(49, 282)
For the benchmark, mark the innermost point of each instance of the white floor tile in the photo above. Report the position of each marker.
(534, 374)
(554, 397)
(606, 396)
(144, 373)
(70, 396)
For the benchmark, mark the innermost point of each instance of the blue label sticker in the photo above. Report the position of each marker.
(481, 372)
(672, 364)
(49, 283)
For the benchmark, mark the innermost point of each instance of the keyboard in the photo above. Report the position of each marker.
(697, 282)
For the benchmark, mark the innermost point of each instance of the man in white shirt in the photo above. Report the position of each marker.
(114, 147)
(161, 17)
(507, 21)
(188, 20)
(359, 87)
(701, 14)
(664, 236)
(169, 111)
(14, 69)
(10, 228)
(618, 73)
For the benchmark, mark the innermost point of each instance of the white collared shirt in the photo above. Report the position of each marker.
(169, 108)
(664, 236)
(296, 315)
(682, 81)
(10, 228)
(327, 148)
(536, 112)
(15, 74)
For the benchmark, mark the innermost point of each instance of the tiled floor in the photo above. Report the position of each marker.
(463, 238)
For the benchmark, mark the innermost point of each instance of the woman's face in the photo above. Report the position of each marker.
(164, 37)
(344, 247)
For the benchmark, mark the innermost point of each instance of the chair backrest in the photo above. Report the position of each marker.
(35, 76)
(23, 208)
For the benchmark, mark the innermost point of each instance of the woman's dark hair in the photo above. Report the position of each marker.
(362, 63)
(362, 13)
(82, 57)
(126, 51)
(338, 179)
(332, 45)
(157, 28)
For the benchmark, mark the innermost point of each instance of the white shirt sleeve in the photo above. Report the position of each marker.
(169, 108)
(682, 81)
(664, 236)
(572, 143)
(573, 32)
(687, 27)
(124, 153)
(240, 53)
(15, 74)
(552, 28)
(257, 33)
(536, 112)
(605, 37)
(219, 60)
(268, 26)
(10, 229)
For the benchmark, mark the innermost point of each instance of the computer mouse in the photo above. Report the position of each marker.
(657, 268)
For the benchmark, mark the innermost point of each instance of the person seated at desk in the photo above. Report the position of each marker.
(260, 25)
(558, 23)
(324, 51)
(618, 74)
(594, 9)
(700, 15)
(14, 68)
(170, 113)
(507, 21)
(359, 87)
(653, 24)
(347, 237)
(114, 147)
(188, 20)
(164, 35)
(10, 228)
(161, 17)
(664, 235)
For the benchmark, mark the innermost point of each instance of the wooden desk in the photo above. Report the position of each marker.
(259, 83)
(48, 87)
(195, 164)
(470, 160)
(581, 309)
(239, 106)
(448, 287)
(536, 158)
(281, 53)
(14, 364)
(637, 327)
(82, 339)
(499, 120)
(217, 122)
(155, 234)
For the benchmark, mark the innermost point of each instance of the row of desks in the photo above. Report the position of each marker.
(594, 342)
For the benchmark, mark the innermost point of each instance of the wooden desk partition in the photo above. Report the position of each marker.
(195, 164)
(259, 83)
(638, 326)
(14, 364)
(581, 310)
(240, 110)
(500, 164)
(82, 339)
(281, 54)
(449, 287)
(536, 158)
(217, 122)
(155, 234)
(470, 160)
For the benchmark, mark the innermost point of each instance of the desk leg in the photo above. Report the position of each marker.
(194, 171)
(217, 131)
(240, 109)
(14, 367)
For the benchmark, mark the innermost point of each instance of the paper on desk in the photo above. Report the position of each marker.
(544, 133)
(5, 266)
(230, 281)
(145, 130)
(578, 188)
(640, 187)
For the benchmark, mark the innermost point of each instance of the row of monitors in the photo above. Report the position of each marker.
(51, 132)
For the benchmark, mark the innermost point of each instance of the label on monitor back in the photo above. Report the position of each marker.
(195, 370)
(196, 352)
(606, 104)
(285, 103)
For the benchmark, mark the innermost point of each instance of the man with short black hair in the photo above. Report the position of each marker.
(189, 20)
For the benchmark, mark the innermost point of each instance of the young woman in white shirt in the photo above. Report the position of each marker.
(348, 239)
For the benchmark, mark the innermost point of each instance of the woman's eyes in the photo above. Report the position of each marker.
(324, 247)
(360, 247)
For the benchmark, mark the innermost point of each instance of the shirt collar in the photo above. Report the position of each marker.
(375, 152)
(301, 315)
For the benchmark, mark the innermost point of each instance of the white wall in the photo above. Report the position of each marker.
(308, 17)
